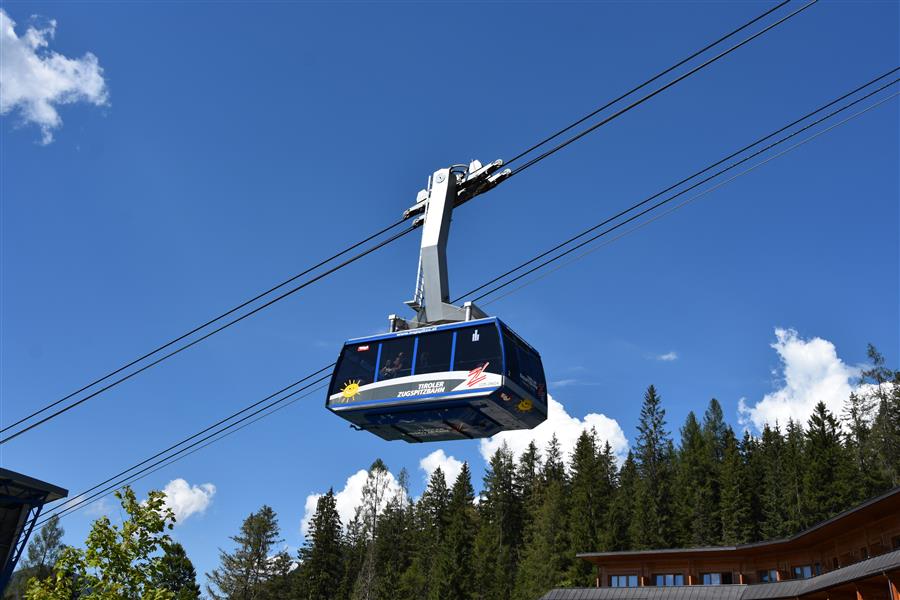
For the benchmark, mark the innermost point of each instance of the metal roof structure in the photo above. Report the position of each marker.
(819, 529)
(21, 500)
(875, 567)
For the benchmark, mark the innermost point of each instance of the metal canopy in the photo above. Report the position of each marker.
(21, 500)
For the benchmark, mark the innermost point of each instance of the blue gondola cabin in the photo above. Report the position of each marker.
(447, 382)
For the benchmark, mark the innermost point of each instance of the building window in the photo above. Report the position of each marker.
(716, 578)
(803, 572)
(835, 564)
(668, 579)
(863, 553)
(623, 581)
(770, 576)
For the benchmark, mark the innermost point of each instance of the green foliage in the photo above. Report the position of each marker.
(321, 558)
(537, 511)
(118, 561)
(245, 572)
(177, 574)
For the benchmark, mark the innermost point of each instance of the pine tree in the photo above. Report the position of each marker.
(429, 521)
(652, 526)
(545, 558)
(322, 557)
(527, 472)
(42, 554)
(828, 478)
(794, 474)
(499, 538)
(621, 511)
(392, 547)
(774, 492)
(735, 515)
(176, 573)
(696, 506)
(885, 431)
(453, 567)
(243, 572)
(374, 498)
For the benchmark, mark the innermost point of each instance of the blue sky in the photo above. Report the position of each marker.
(233, 144)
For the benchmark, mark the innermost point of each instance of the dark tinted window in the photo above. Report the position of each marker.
(477, 345)
(510, 348)
(396, 358)
(357, 364)
(532, 372)
(433, 354)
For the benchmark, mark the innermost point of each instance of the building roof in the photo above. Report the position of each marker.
(873, 567)
(16, 485)
(889, 503)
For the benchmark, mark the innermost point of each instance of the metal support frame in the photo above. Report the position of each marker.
(35, 505)
(447, 188)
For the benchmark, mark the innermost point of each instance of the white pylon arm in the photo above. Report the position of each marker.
(447, 189)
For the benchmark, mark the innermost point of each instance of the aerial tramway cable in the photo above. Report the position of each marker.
(694, 197)
(228, 324)
(676, 185)
(82, 499)
(659, 90)
(644, 84)
(529, 163)
(165, 457)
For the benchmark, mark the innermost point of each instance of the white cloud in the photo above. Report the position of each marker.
(448, 464)
(567, 429)
(811, 372)
(349, 498)
(34, 79)
(563, 383)
(668, 356)
(186, 500)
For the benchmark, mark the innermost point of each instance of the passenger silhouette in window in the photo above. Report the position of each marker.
(393, 367)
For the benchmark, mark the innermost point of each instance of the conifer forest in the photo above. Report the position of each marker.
(702, 483)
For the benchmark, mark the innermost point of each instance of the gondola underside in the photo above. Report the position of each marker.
(453, 405)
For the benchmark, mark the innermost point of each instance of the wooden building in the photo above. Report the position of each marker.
(855, 554)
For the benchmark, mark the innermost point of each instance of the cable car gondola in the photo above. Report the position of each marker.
(456, 381)
(451, 372)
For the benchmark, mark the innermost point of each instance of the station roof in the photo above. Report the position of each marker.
(15, 485)
(873, 568)
(883, 505)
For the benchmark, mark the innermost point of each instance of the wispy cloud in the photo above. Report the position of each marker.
(563, 383)
(35, 80)
(668, 356)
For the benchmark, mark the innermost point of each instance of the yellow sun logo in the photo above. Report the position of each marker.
(350, 390)
(525, 405)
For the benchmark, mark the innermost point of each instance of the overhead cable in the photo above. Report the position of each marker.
(684, 203)
(677, 184)
(87, 496)
(659, 90)
(209, 334)
(645, 83)
(689, 188)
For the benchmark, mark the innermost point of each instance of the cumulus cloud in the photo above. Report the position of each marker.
(668, 356)
(186, 500)
(567, 429)
(448, 464)
(811, 371)
(349, 498)
(34, 80)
